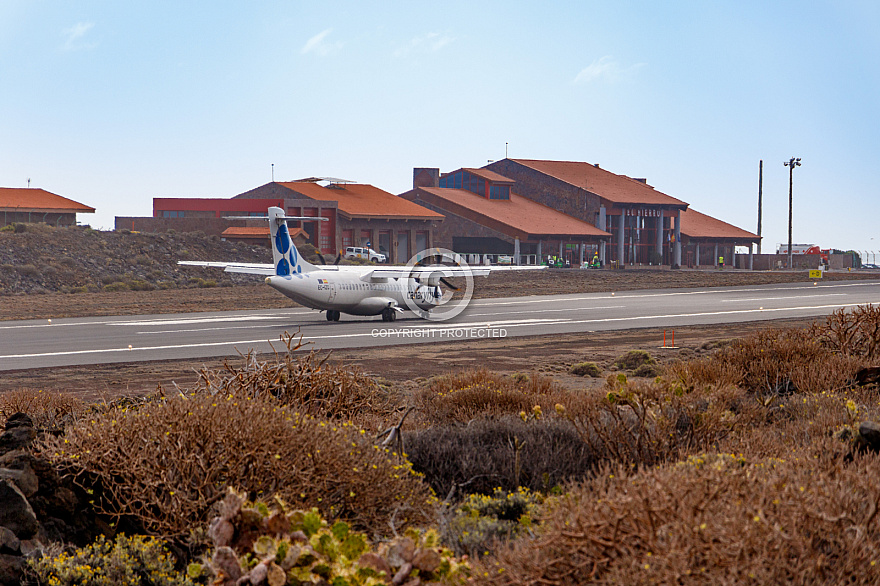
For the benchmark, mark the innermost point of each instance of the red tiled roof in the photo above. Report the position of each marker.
(617, 189)
(488, 174)
(358, 200)
(518, 216)
(697, 225)
(32, 198)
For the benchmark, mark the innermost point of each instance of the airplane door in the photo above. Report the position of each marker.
(332, 295)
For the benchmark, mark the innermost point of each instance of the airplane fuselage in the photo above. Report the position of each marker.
(347, 291)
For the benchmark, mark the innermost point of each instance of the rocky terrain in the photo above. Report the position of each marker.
(37, 258)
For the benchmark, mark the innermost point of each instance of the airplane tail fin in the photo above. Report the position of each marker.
(285, 256)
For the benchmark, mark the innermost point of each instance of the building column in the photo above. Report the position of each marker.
(539, 252)
(516, 251)
(602, 225)
(620, 223)
(697, 262)
(678, 239)
(715, 260)
(582, 254)
(660, 236)
(751, 258)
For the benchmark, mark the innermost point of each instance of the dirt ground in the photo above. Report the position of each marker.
(399, 365)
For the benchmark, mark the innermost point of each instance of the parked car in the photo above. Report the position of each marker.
(364, 253)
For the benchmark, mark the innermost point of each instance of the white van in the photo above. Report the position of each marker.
(364, 253)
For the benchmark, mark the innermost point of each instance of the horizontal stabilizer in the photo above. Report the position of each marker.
(233, 267)
(298, 218)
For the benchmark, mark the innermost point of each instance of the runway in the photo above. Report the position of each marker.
(82, 341)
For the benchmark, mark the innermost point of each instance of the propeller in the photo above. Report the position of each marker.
(448, 284)
(338, 258)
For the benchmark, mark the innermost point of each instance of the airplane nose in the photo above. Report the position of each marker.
(268, 280)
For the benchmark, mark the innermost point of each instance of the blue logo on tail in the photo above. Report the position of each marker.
(282, 245)
(282, 239)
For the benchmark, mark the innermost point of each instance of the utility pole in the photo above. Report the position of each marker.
(791, 164)
(760, 197)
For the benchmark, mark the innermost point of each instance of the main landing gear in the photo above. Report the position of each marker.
(332, 315)
(389, 314)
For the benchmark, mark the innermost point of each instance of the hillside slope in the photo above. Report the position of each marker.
(38, 258)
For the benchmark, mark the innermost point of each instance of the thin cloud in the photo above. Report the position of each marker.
(319, 44)
(74, 37)
(606, 69)
(431, 42)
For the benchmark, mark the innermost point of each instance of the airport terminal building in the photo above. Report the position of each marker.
(485, 216)
(527, 209)
(634, 222)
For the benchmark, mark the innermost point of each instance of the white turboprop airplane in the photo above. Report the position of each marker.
(356, 290)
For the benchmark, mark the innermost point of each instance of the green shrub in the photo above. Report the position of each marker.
(647, 371)
(481, 522)
(258, 542)
(118, 286)
(202, 283)
(633, 359)
(127, 561)
(140, 285)
(586, 369)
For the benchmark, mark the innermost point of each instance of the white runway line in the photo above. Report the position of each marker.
(451, 326)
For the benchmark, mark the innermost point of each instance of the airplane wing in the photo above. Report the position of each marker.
(423, 272)
(233, 267)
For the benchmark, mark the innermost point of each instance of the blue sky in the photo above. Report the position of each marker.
(114, 103)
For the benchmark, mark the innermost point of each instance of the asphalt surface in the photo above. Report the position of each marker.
(101, 340)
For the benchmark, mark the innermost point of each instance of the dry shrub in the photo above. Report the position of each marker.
(306, 383)
(771, 362)
(714, 519)
(506, 452)
(646, 423)
(853, 333)
(163, 465)
(49, 410)
(788, 423)
(479, 392)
